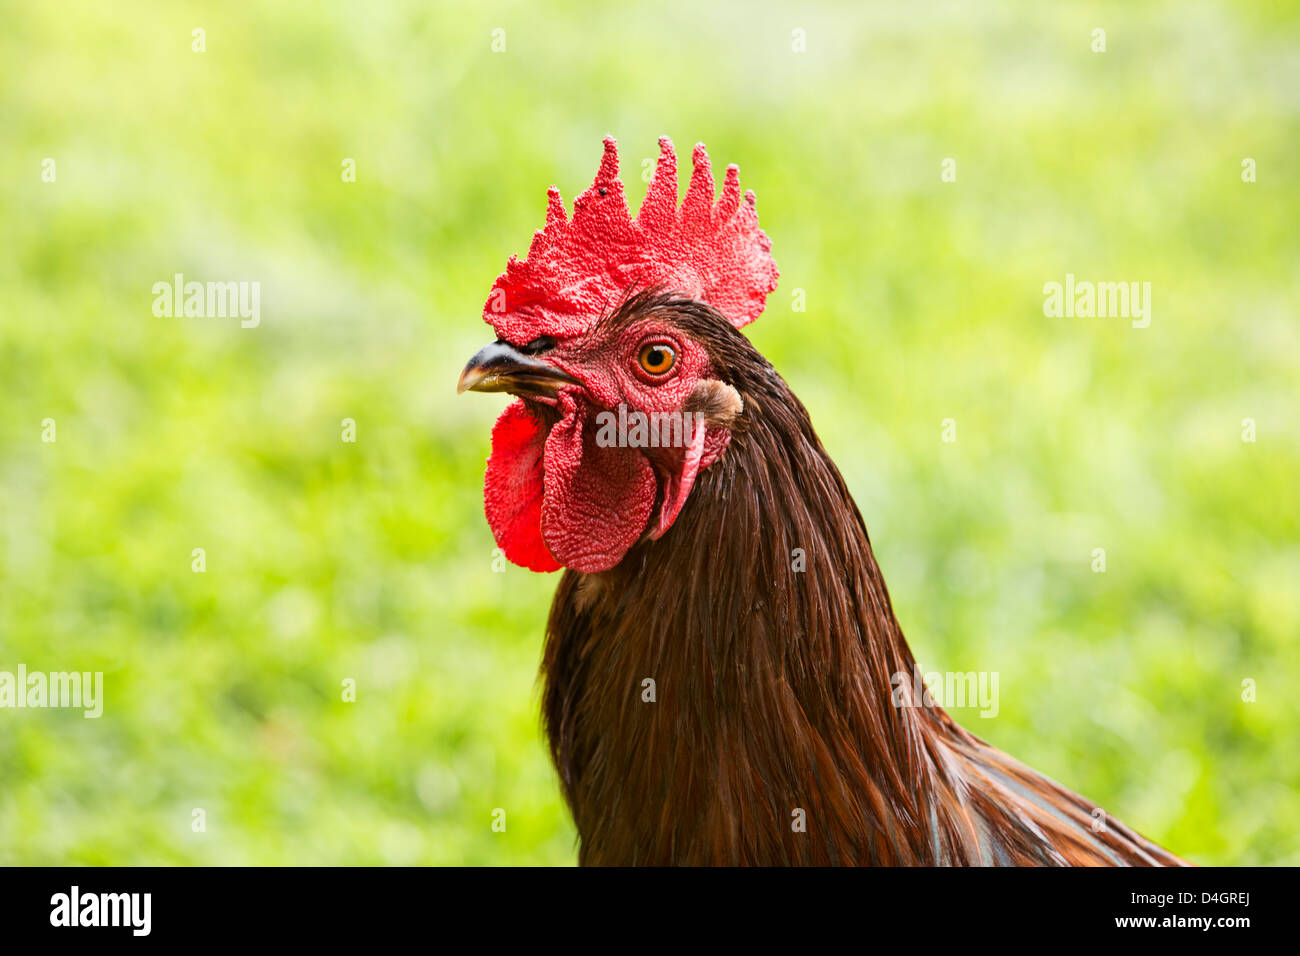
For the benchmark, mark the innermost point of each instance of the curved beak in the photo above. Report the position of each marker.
(500, 367)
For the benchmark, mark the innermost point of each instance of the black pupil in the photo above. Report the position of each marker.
(656, 357)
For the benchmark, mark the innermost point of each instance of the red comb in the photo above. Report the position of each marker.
(578, 269)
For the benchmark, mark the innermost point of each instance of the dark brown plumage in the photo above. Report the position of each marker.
(708, 699)
(772, 685)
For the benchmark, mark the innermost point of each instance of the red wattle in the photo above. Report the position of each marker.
(513, 488)
(597, 500)
(678, 482)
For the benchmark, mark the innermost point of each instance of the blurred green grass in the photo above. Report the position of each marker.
(372, 561)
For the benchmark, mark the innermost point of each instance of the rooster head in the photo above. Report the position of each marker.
(619, 404)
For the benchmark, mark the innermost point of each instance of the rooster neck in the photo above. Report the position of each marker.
(714, 675)
(727, 694)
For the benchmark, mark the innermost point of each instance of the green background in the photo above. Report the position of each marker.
(372, 561)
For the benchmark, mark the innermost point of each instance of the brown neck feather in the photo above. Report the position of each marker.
(771, 679)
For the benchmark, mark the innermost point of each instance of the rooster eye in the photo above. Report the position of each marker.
(657, 358)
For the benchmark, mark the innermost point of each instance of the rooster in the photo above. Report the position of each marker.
(721, 661)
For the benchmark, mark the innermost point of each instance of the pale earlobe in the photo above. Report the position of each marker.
(714, 401)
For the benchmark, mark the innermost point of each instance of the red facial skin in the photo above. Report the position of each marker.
(610, 368)
(556, 498)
